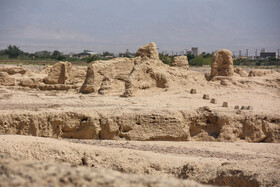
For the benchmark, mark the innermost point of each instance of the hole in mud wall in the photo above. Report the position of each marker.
(84, 161)
(214, 135)
(84, 119)
(195, 129)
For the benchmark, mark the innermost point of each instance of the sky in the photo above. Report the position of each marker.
(117, 25)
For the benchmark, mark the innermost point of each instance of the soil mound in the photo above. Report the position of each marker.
(148, 71)
(127, 75)
(181, 61)
(6, 80)
(258, 73)
(31, 82)
(104, 76)
(241, 72)
(227, 164)
(148, 51)
(78, 74)
(144, 76)
(46, 70)
(222, 64)
(61, 73)
(11, 70)
(49, 173)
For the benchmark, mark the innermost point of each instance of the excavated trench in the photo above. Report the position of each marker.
(202, 125)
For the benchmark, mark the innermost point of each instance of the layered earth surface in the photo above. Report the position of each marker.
(151, 121)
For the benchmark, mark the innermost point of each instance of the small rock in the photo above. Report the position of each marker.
(225, 104)
(249, 108)
(236, 107)
(82, 97)
(193, 91)
(243, 108)
(224, 82)
(206, 97)
(205, 108)
(238, 112)
(213, 101)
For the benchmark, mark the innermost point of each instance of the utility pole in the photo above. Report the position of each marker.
(240, 54)
(247, 53)
(256, 53)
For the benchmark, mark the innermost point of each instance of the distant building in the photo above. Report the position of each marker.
(242, 57)
(127, 54)
(203, 53)
(86, 53)
(70, 55)
(267, 54)
(195, 51)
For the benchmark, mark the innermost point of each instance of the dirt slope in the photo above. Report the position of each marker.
(232, 164)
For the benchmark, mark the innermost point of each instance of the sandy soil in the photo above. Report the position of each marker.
(88, 132)
(232, 164)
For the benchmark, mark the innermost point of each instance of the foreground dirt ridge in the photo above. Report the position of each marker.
(203, 125)
(229, 164)
(20, 173)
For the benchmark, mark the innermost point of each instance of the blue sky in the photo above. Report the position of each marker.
(117, 25)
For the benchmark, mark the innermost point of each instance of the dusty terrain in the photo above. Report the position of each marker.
(232, 164)
(140, 99)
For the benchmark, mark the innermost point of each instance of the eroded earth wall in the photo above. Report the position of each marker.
(161, 125)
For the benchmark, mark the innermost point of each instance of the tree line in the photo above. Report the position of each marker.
(14, 52)
(203, 59)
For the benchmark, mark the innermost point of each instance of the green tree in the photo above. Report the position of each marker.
(92, 58)
(207, 55)
(13, 51)
(190, 56)
(200, 61)
(106, 53)
(42, 54)
(57, 55)
(165, 58)
(197, 61)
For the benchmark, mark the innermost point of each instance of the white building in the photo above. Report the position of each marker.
(195, 51)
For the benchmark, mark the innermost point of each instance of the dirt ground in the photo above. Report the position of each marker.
(158, 137)
(219, 163)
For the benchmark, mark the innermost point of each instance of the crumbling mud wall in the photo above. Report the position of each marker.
(12, 70)
(148, 72)
(126, 75)
(173, 126)
(260, 72)
(6, 80)
(181, 61)
(222, 65)
(61, 73)
(105, 76)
